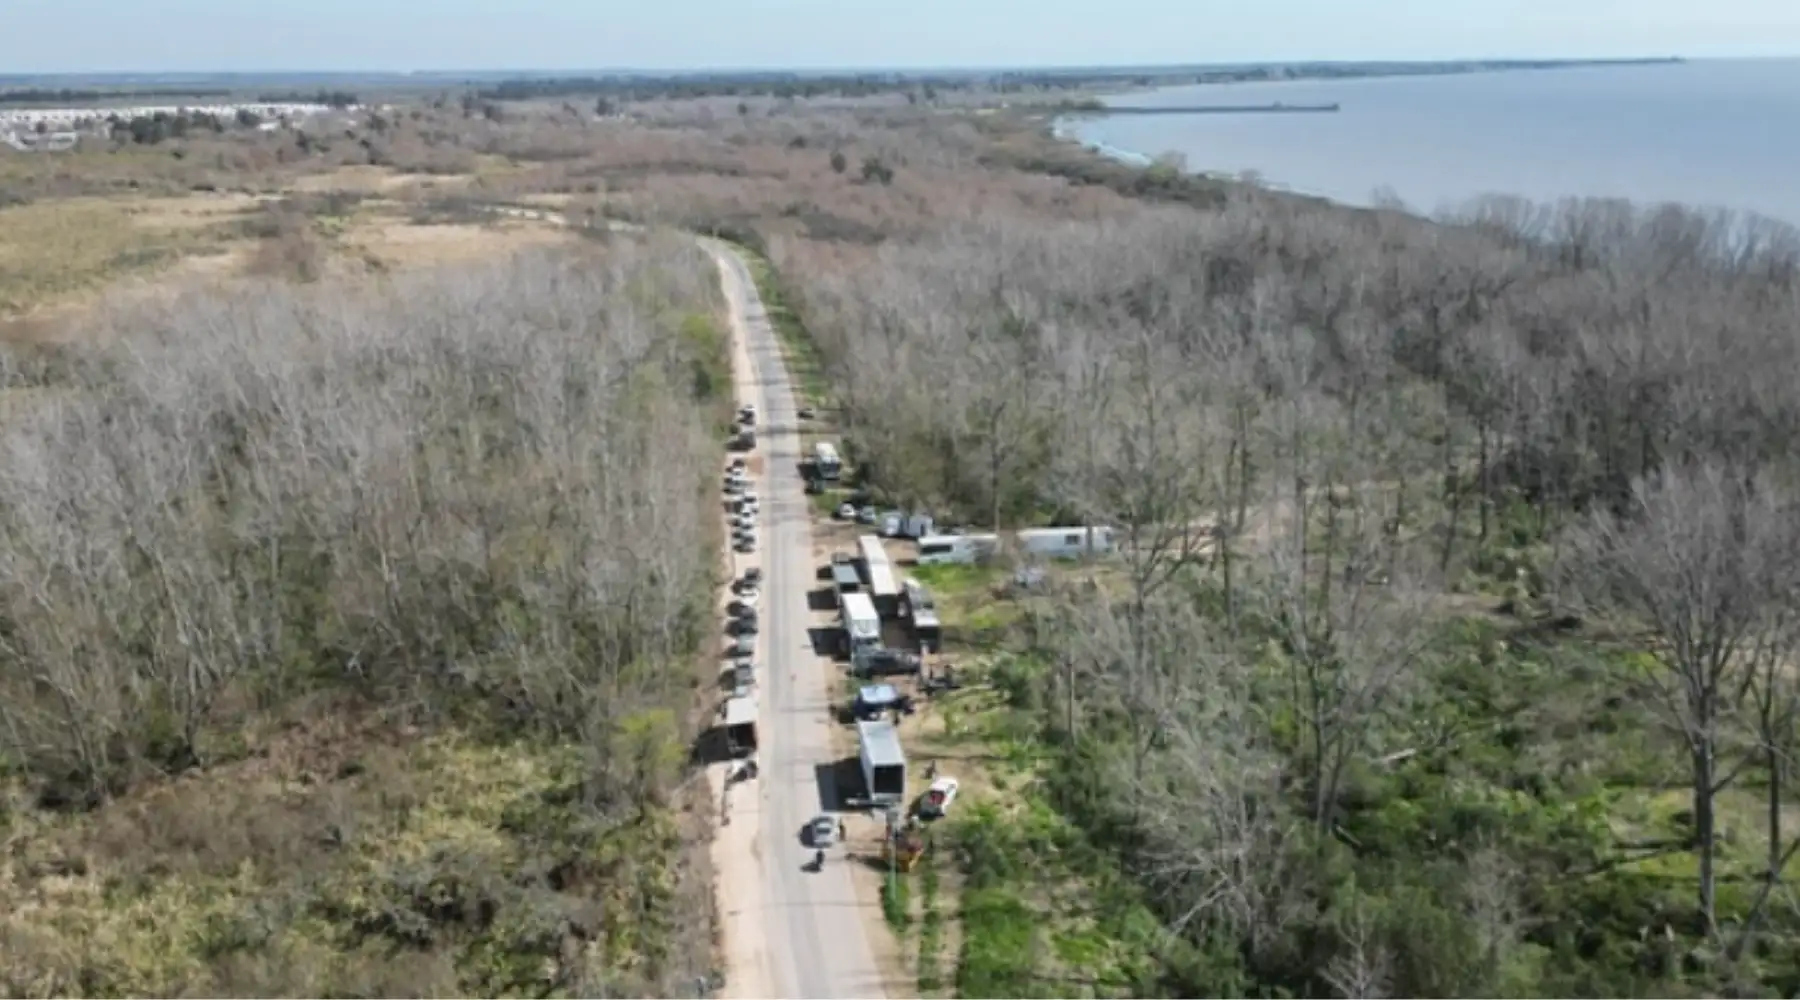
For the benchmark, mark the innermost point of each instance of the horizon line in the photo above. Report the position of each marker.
(895, 69)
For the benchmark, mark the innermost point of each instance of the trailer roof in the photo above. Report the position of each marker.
(858, 605)
(871, 550)
(881, 743)
(740, 711)
(1100, 530)
(982, 539)
(881, 580)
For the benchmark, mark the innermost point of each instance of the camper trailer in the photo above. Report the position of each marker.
(826, 464)
(1065, 543)
(937, 550)
(862, 626)
(883, 762)
(740, 726)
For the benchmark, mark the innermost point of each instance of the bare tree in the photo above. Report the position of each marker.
(1360, 969)
(1698, 559)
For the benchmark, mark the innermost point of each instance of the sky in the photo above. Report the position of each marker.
(48, 36)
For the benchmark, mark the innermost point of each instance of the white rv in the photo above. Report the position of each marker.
(936, 550)
(826, 462)
(1065, 543)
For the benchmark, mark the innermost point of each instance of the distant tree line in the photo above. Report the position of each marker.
(679, 88)
(70, 96)
(148, 130)
(329, 98)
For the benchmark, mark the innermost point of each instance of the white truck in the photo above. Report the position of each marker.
(862, 626)
(826, 463)
(883, 762)
(740, 725)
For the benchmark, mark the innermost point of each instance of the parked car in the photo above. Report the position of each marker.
(752, 578)
(846, 512)
(867, 515)
(936, 800)
(822, 831)
(744, 542)
(806, 413)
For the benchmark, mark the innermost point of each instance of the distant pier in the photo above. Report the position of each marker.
(1226, 109)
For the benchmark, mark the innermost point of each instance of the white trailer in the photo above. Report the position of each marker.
(826, 463)
(878, 573)
(1065, 543)
(883, 762)
(862, 626)
(937, 550)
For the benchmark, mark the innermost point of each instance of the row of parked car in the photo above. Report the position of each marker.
(743, 504)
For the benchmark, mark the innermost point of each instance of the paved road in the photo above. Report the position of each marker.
(818, 941)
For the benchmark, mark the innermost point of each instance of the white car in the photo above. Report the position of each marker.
(846, 512)
(936, 800)
(749, 597)
(823, 830)
(744, 521)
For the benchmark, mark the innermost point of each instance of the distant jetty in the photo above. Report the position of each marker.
(1277, 108)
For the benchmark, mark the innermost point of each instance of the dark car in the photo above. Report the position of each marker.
(884, 662)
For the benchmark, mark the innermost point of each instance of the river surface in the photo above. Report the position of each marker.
(1712, 133)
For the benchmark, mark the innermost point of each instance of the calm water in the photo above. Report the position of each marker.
(1722, 134)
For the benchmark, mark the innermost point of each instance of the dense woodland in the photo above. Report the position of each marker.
(1448, 655)
(1451, 651)
(349, 637)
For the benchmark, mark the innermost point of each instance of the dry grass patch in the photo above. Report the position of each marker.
(52, 250)
(396, 243)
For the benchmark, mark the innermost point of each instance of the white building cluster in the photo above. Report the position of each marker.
(28, 119)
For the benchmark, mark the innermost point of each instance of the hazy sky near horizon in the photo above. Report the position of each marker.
(249, 35)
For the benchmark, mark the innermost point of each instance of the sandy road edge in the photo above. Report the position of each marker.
(737, 850)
